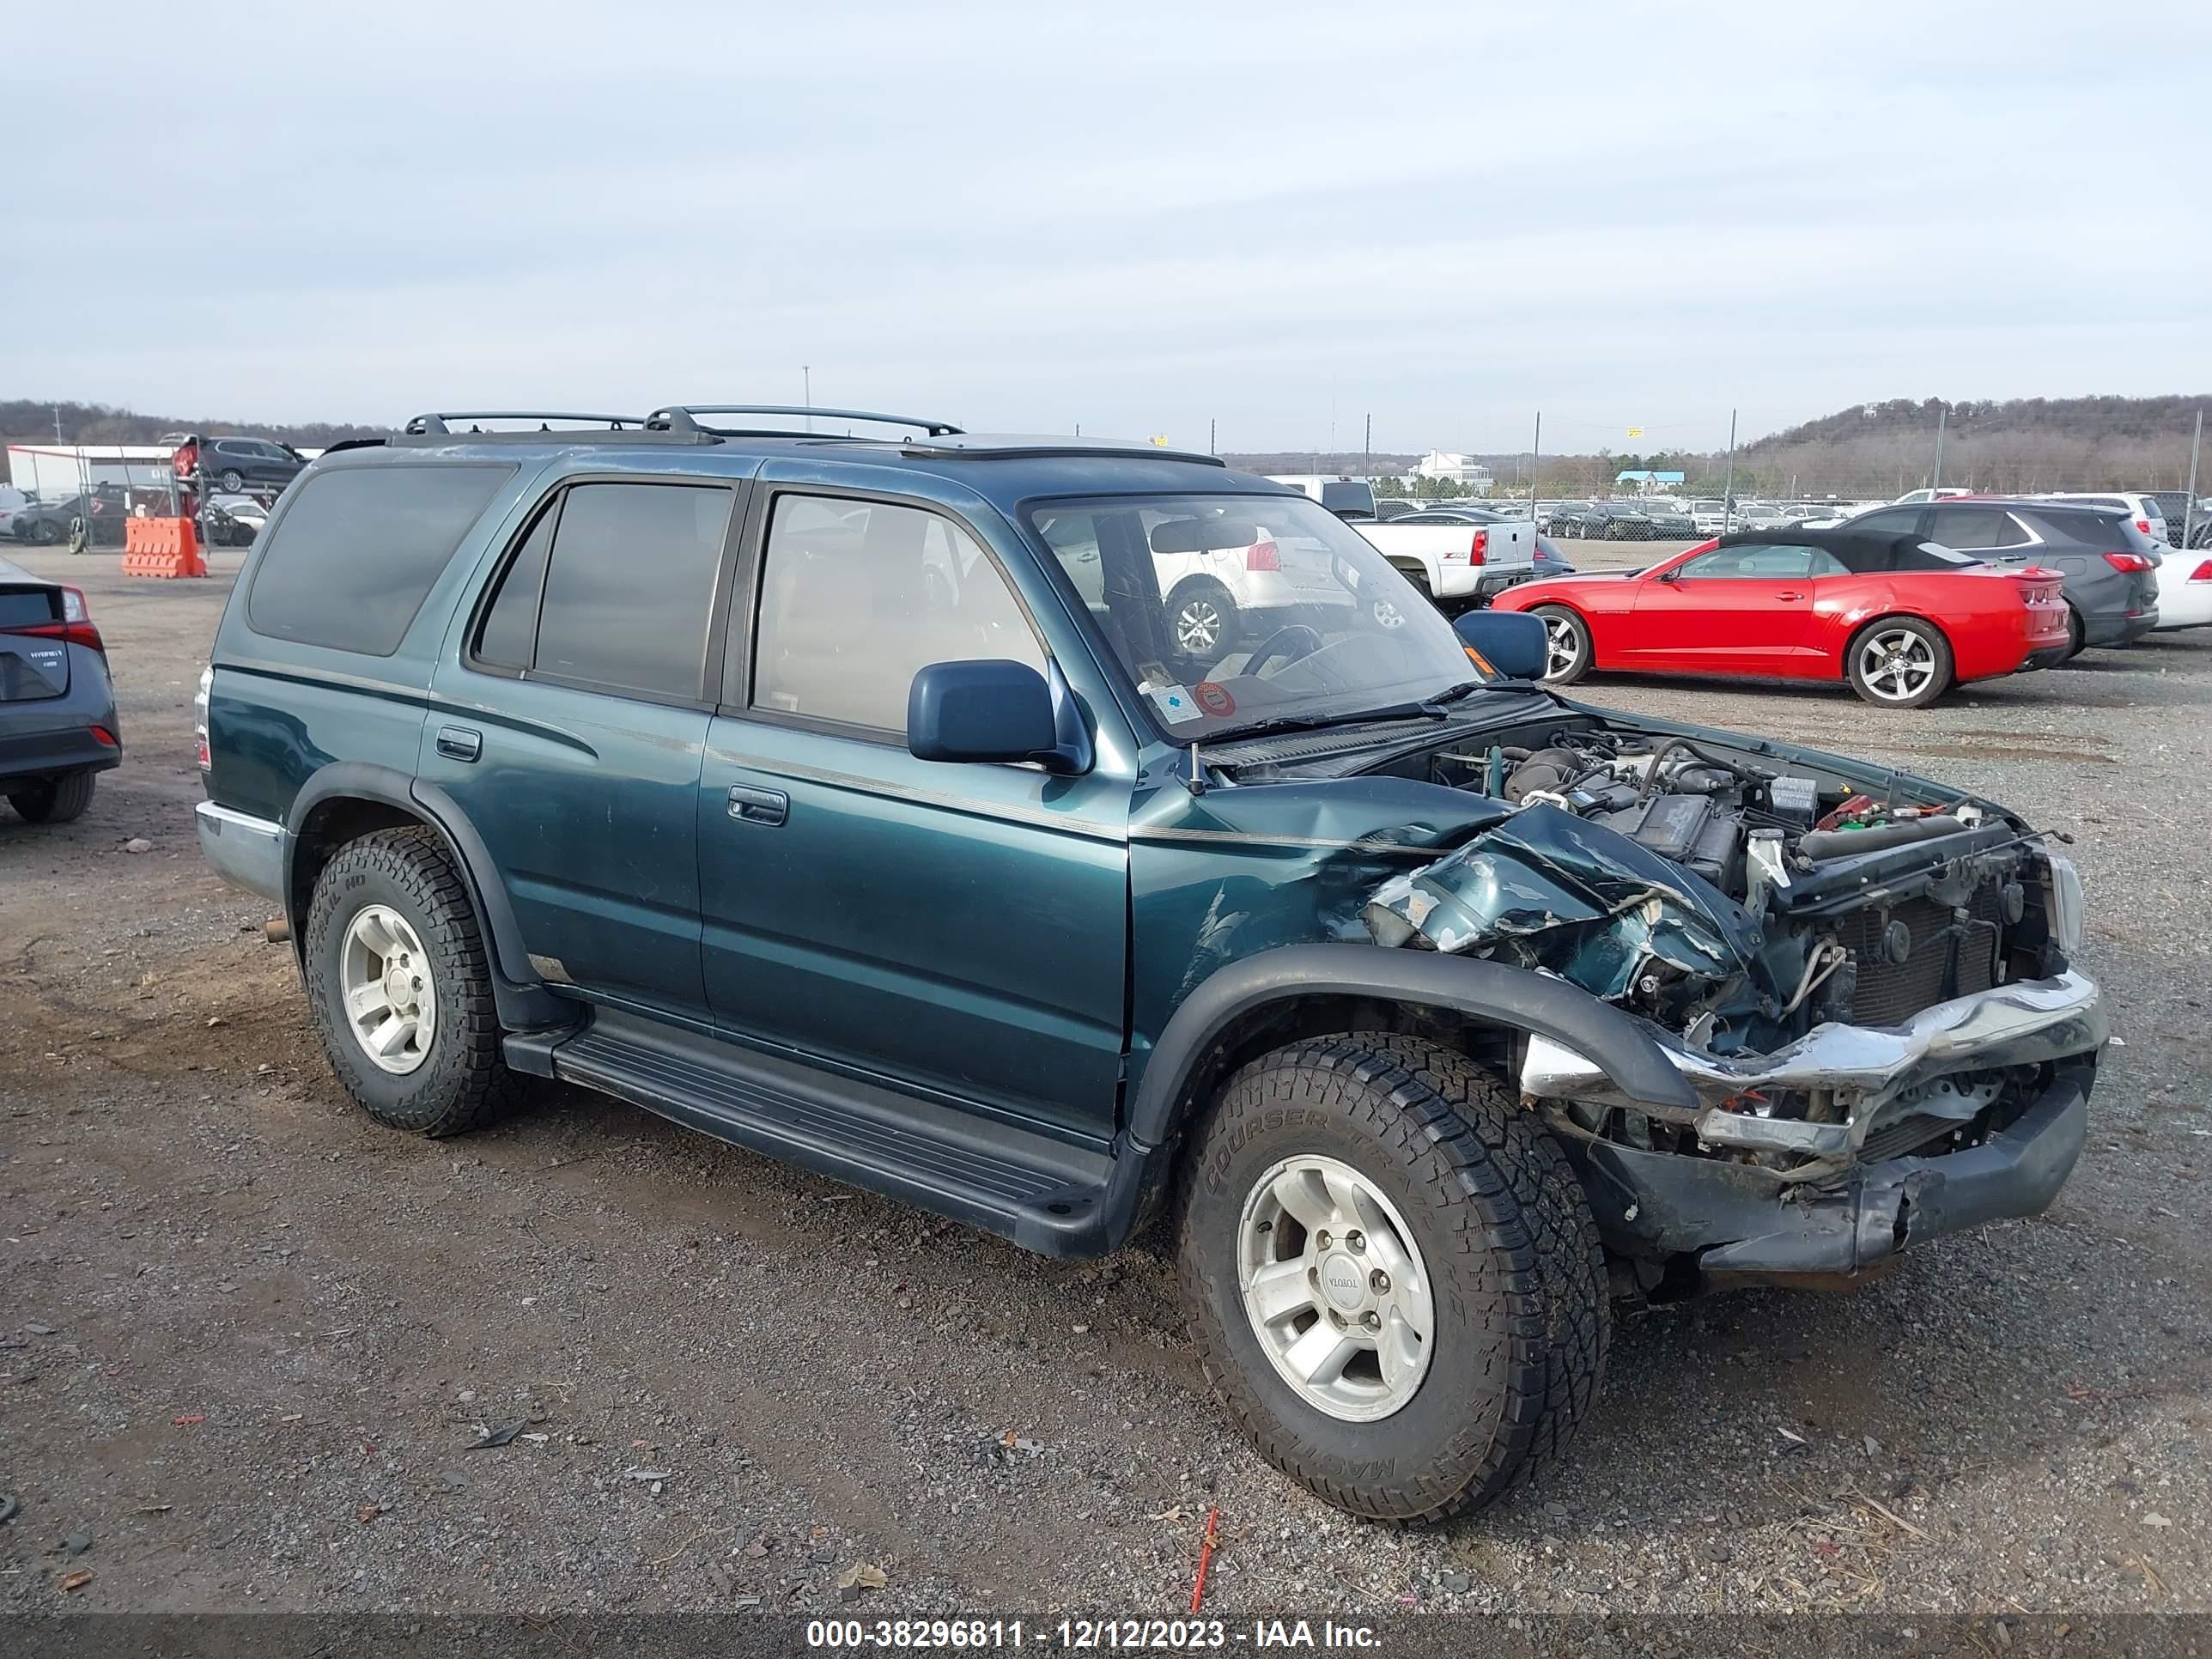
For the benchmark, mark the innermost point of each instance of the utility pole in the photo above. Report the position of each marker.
(2189, 516)
(1535, 462)
(1934, 483)
(57, 422)
(1210, 427)
(1728, 482)
(1369, 449)
(807, 377)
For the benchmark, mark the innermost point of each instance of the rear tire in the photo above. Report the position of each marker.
(233, 482)
(2076, 640)
(1458, 1191)
(459, 1079)
(1204, 619)
(1567, 644)
(57, 800)
(1899, 662)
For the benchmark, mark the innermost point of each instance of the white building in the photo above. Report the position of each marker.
(1455, 469)
(53, 471)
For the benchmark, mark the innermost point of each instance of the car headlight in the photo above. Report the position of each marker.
(2065, 902)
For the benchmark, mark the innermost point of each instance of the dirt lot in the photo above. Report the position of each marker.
(247, 1337)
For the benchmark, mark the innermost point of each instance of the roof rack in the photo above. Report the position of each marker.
(683, 417)
(437, 422)
(985, 446)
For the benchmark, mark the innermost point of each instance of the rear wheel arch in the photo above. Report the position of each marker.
(350, 799)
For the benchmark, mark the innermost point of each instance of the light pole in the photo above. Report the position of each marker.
(807, 380)
(1728, 483)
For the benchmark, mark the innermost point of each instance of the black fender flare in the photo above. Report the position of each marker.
(1617, 1042)
(523, 1001)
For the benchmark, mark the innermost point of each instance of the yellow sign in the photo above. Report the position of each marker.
(1636, 432)
(1160, 440)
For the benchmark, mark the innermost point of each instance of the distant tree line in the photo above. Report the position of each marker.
(1868, 450)
(28, 421)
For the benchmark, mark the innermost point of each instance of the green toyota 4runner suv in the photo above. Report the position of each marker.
(858, 800)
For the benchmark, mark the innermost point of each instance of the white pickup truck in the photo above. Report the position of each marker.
(1461, 565)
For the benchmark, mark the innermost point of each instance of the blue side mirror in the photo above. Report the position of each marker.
(991, 710)
(1511, 642)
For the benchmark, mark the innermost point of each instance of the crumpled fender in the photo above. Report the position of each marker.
(1614, 905)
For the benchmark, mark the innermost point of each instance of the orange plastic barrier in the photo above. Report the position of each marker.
(162, 547)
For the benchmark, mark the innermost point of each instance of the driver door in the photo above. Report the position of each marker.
(960, 931)
(1744, 610)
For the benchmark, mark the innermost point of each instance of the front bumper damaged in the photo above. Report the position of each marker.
(1863, 1067)
(1747, 1225)
(1827, 1217)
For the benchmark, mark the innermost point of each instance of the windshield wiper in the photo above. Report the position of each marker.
(1428, 708)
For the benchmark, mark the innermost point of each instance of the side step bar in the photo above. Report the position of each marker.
(1044, 1194)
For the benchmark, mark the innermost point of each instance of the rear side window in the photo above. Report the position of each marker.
(350, 562)
(629, 587)
(1974, 526)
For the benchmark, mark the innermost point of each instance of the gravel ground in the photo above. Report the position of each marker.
(247, 1339)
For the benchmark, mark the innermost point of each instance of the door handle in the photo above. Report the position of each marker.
(1789, 596)
(758, 805)
(459, 743)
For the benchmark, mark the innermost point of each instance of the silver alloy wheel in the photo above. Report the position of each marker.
(1896, 664)
(1335, 1288)
(1562, 648)
(1197, 625)
(391, 1000)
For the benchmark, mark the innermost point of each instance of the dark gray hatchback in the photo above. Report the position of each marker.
(58, 725)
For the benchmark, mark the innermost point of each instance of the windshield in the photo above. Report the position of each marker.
(1229, 610)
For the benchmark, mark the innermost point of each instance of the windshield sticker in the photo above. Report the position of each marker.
(1214, 700)
(1152, 676)
(1176, 705)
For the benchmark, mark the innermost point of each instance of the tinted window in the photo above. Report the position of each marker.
(509, 633)
(1973, 526)
(1896, 521)
(1341, 496)
(857, 596)
(629, 587)
(349, 562)
(1750, 562)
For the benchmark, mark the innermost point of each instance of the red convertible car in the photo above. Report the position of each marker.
(1901, 619)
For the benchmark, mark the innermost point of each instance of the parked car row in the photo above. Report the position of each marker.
(1898, 602)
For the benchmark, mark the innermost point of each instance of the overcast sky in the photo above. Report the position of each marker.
(1135, 217)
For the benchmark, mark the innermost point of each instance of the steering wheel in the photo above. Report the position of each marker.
(1281, 644)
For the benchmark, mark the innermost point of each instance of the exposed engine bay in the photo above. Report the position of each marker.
(1774, 920)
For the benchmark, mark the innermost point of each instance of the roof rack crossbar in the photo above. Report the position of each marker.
(677, 416)
(437, 421)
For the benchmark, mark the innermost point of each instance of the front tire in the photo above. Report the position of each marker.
(1438, 1198)
(1899, 662)
(56, 800)
(400, 986)
(1566, 645)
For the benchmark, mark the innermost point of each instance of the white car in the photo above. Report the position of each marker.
(2185, 590)
(1223, 584)
(1710, 516)
(1920, 497)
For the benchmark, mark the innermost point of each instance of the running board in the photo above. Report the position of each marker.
(1041, 1192)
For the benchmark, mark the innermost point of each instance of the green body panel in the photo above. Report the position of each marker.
(1218, 877)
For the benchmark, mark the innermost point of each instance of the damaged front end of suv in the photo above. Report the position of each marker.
(1868, 995)
(1787, 1013)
